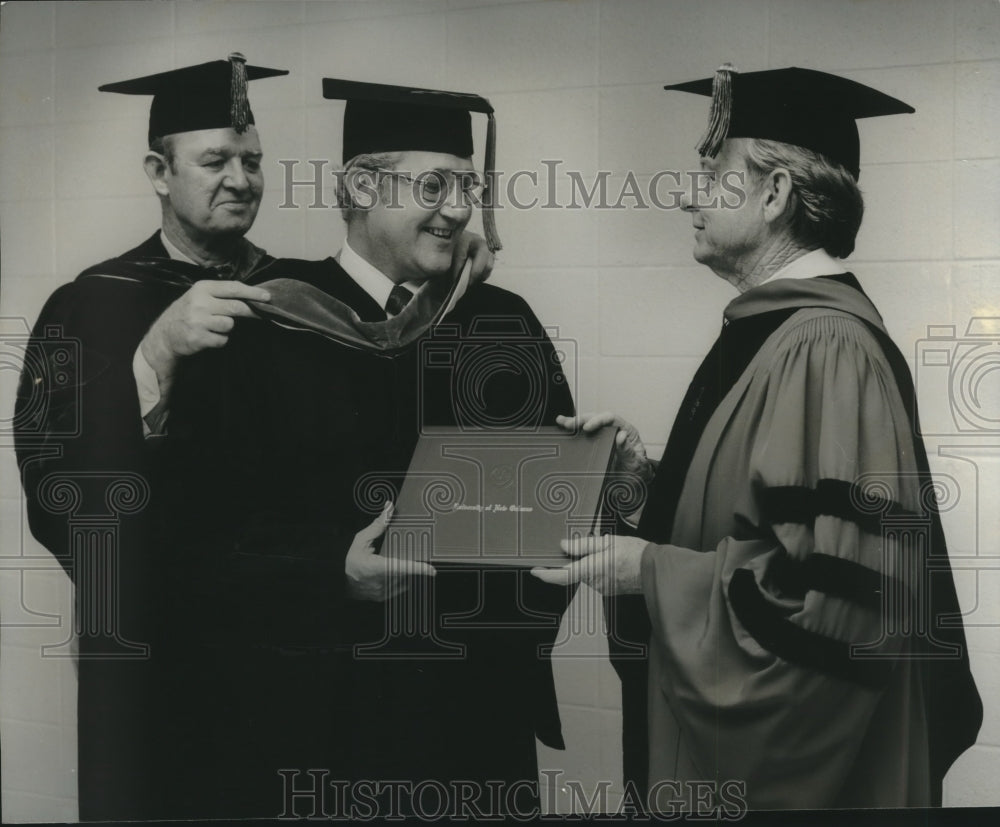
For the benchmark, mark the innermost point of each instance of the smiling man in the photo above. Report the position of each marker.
(409, 244)
(111, 384)
(442, 703)
(274, 449)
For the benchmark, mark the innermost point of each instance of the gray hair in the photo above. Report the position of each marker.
(369, 161)
(164, 146)
(827, 207)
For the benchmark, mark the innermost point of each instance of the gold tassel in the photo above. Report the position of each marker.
(239, 105)
(489, 219)
(720, 113)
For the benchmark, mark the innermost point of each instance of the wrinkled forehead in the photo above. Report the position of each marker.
(225, 140)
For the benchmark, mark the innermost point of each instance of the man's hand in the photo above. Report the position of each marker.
(472, 247)
(202, 318)
(630, 453)
(371, 576)
(610, 564)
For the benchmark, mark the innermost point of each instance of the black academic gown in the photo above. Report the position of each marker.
(286, 442)
(89, 481)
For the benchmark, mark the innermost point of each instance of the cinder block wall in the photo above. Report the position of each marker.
(573, 81)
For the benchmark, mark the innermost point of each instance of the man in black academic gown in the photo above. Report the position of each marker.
(310, 436)
(120, 327)
(473, 716)
(92, 411)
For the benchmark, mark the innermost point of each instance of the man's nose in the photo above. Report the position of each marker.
(457, 206)
(686, 199)
(236, 176)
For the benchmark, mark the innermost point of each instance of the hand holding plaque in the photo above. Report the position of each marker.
(371, 576)
(500, 498)
(609, 564)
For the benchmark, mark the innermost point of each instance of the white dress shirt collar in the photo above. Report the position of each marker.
(173, 250)
(814, 263)
(369, 278)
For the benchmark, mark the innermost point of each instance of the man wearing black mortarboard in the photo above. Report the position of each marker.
(106, 347)
(789, 558)
(111, 353)
(461, 700)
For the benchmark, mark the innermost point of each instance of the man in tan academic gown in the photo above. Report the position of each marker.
(786, 537)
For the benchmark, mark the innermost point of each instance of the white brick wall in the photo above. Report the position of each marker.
(577, 80)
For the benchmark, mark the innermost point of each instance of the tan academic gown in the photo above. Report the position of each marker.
(817, 403)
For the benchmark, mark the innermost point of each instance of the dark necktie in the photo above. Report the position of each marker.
(225, 272)
(398, 299)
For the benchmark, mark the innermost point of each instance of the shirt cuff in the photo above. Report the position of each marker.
(632, 520)
(150, 409)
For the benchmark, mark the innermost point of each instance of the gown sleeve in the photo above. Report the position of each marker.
(758, 635)
(77, 425)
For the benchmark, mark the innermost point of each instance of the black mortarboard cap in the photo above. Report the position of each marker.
(385, 118)
(210, 95)
(804, 107)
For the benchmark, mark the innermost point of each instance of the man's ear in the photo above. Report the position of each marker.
(362, 187)
(776, 193)
(156, 168)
